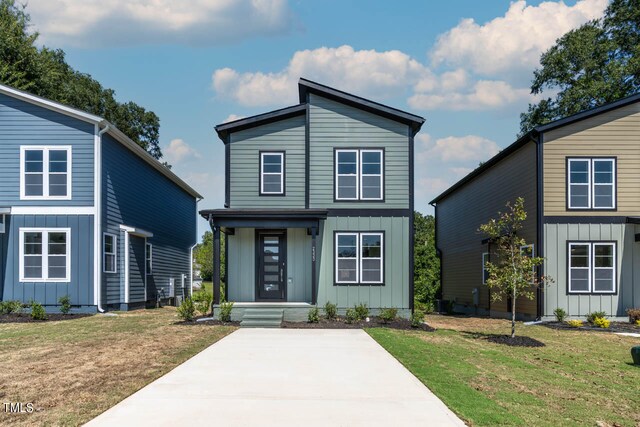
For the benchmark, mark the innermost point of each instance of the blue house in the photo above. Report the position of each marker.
(86, 212)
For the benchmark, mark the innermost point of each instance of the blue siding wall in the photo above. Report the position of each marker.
(136, 269)
(80, 288)
(136, 195)
(22, 123)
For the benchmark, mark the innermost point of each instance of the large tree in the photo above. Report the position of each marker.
(45, 72)
(592, 65)
(203, 257)
(426, 272)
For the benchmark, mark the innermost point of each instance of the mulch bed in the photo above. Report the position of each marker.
(615, 327)
(517, 341)
(26, 318)
(212, 322)
(340, 323)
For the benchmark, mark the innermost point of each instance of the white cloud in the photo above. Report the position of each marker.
(514, 41)
(364, 72)
(178, 151)
(232, 118)
(428, 187)
(461, 149)
(460, 172)
(129, 22)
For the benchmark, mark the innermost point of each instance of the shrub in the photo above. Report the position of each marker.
(634, 315)
(560, 314)
(417, 318)
(575, 323)
(591, 317)
(362, 312)
(601, 322)
(8, 307)
(351, 315)
(203, 300)
(65, 304)
(330, 310)
(314, 315)
(187, 310)
(388, 314)
(638, 322)
(37, 311)
(225, 311)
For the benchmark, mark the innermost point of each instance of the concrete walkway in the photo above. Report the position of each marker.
(285, 377)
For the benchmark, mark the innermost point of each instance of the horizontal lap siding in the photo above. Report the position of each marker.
(614, 133)
(556, 237)
(395, 292)
(136, 195)
(286, 135)
(80, 288)
(22, 123)
(335, 125)
(460, 214)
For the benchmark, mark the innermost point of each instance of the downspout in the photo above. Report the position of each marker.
(191, 272)
(98, 221)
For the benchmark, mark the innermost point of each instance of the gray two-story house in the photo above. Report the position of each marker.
(86, 213)
(318, 206)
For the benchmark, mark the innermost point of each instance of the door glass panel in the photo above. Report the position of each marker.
(271, 250)
(272, 240)
(271, 258)
(271, 268)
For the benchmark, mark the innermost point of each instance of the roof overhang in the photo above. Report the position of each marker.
(264, 218)
(225, 129)
(4, 210)
(136, 231)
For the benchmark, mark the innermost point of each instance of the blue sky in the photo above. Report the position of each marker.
(464, 65)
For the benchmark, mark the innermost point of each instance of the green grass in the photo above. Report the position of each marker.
(73, 370)
(577, 379)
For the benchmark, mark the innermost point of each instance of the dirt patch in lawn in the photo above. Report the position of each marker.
(341, 323)
(26, 318)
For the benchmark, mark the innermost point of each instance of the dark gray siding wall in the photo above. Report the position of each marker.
(136, 195)
(335, 125)
(285, 135)
(22, 123)
(79, 289)
(136, 269)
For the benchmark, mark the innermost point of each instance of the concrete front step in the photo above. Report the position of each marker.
(262, 318)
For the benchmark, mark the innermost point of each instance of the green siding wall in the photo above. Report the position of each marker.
(335, 125)
(395, 292)
(286, 135)
(628, 260)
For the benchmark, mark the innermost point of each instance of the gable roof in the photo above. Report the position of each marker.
(307, 86)
(104, 124)
(533, 135)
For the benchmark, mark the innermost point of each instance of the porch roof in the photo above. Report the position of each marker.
(264, 218)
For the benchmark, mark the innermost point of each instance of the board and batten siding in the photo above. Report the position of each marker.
(136, 195)
(615, 133)
(241, 272)
(460, 214)
(79, 288)
(23, 123)
(556, 237)
(285, 135)
(336, 125)
(394, 292)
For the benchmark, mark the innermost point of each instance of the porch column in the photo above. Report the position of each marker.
(314, 290)
(216, 263)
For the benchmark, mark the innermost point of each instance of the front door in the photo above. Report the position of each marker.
(272, 265)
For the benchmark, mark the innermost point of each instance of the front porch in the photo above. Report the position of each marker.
(291, 311)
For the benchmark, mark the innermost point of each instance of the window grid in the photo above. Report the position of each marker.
(264, 174)
(591, 183)
(148, 266)
(45, 172)
(362, 176)
(357, 257)
(598, 265)
(47, 250)
(110, 251)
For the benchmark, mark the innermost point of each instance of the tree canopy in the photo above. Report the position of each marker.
(426, 272)
(595, 64)
(44, 72)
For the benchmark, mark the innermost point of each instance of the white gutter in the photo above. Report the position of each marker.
(97, 196)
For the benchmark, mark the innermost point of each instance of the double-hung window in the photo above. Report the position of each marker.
(359, 174)
(272, 174)
(45, 172)
(359, 258)
(148, 258)
(45, 254)
(592, 267)
(591, 183)
(485, 272)
(110, 245)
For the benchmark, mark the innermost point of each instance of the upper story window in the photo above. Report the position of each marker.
(591, 183)
(592, 267)
(45, 254)
(45, 173)
(359, 174)
(271, 173)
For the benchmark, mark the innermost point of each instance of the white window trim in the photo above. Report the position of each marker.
(614, 268)
(359, 173)
(45, 255)
(591, 256)
(591, 182)
(148, 256)
(588, 268)
(359, 258)
(381, 257)
(485, 259)
(105, 253)
(356, 258)
(263, 173)
(3, 221)
(45, 171)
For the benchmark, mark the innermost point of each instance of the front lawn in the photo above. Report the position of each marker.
(579, 378)
(73, 370)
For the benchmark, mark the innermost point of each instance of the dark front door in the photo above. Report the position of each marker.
(272, 266)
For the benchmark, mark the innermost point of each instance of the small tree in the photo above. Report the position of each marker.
(513, 274)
